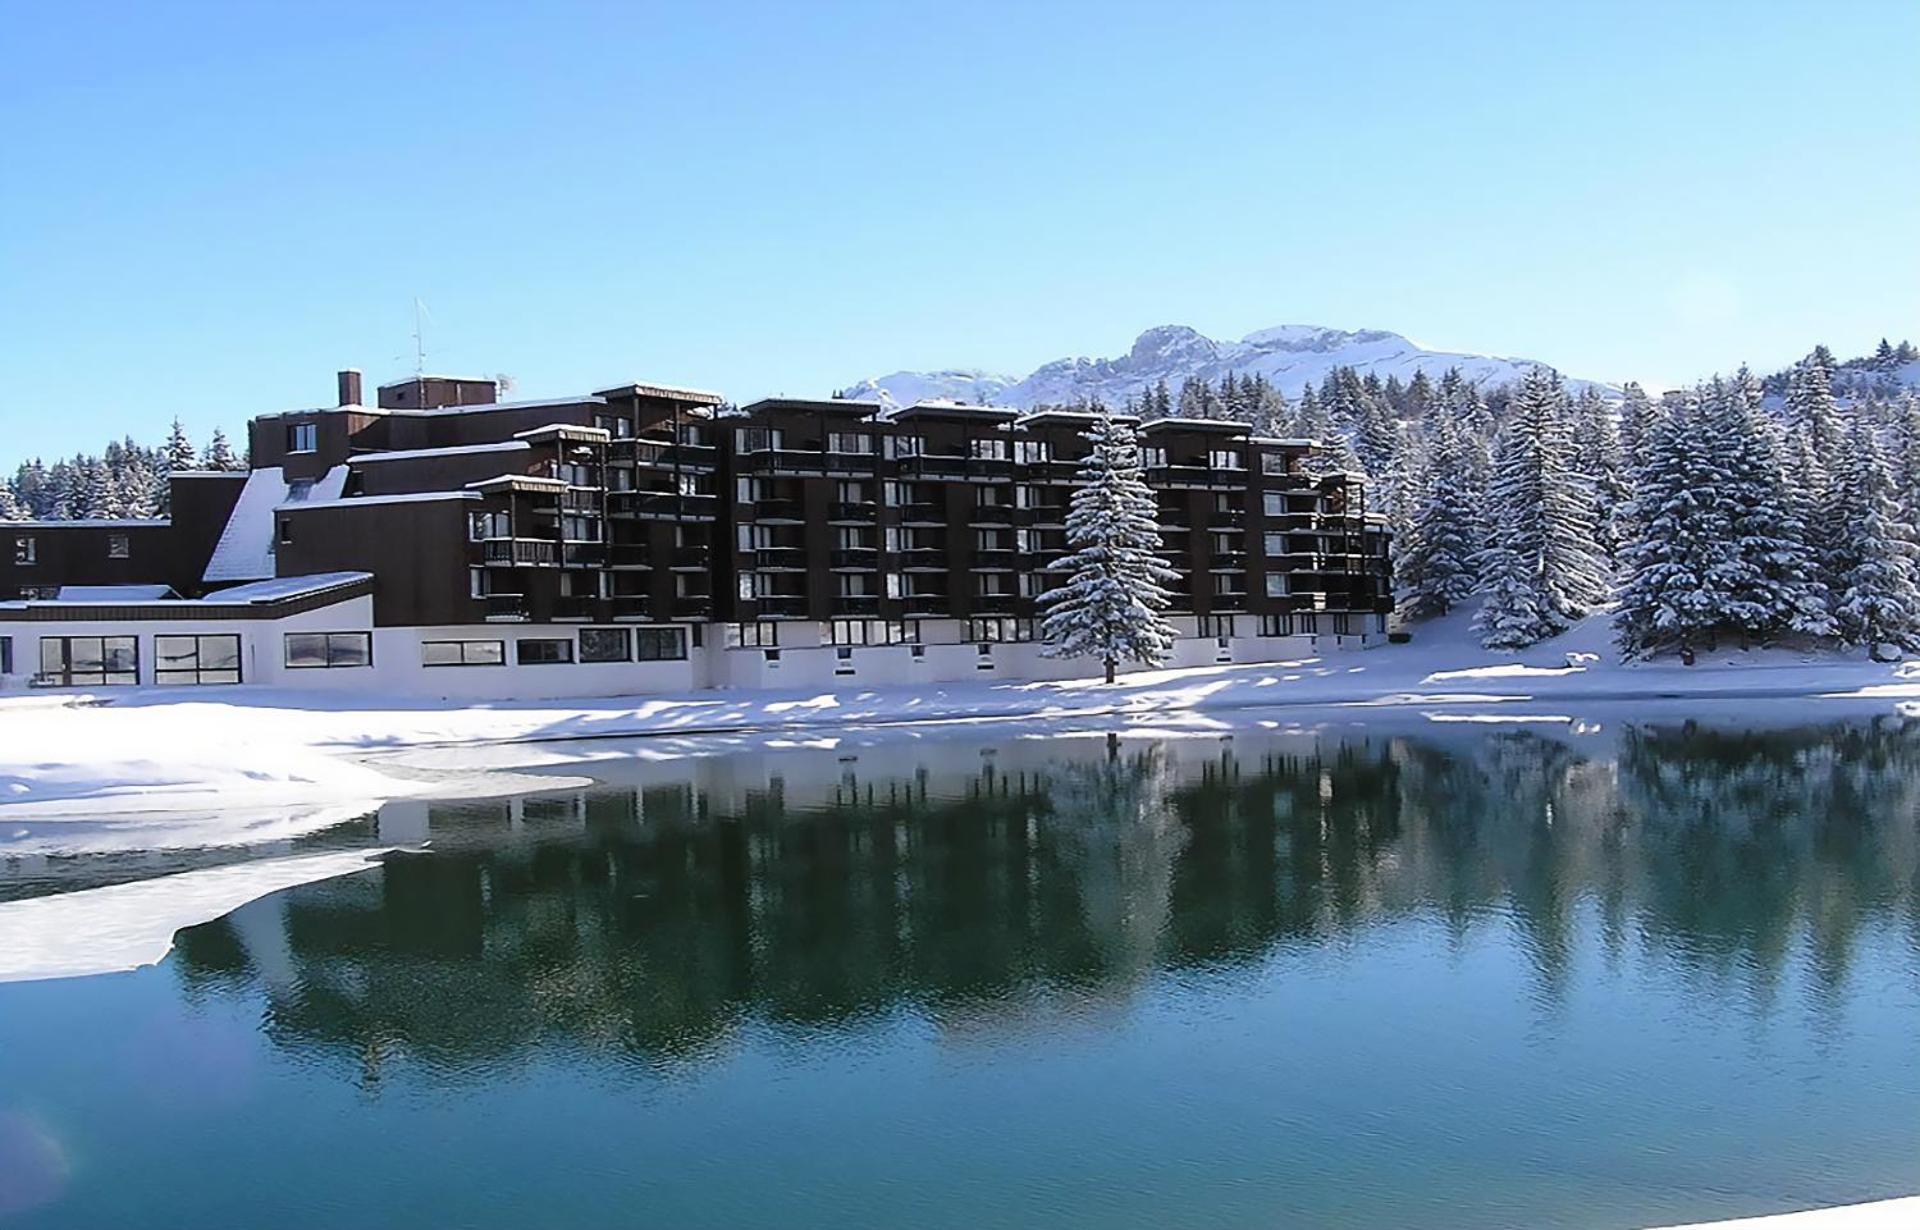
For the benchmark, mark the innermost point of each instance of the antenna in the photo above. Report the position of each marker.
(419, 338)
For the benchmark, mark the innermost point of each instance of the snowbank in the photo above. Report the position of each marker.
(125, 926)
(1879, 1215)
(178, 750)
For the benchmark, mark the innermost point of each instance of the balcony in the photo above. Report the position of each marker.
(993, 604)
(927, 604)
(931, 465)
(521, 552)
(780, 559)
(856, 511)
(662, 505)
(691, 606)
(505, 609)
(1195, 476)
(629, 555)
(583, 554)
(777, 511)
(631, 606)
(996, 514)
(660, 454)
(1047, 515)
(1227, 602)
(994, 561)
(923, 514)
(924, 559)
(1227, 561)
(573, 606)
(855, 606)
(855, 559)
(1224, 519)
(782, 606)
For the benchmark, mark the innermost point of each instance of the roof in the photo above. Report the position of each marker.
(564, 431)
(112, 593)
(1288, 441)
(245, 549)
(416, 379)
(953, 409)
(862, 407)
(108, 523)
(669, 391)
(1216, 426)
(582, 399)
(1071, 416)
(355, 501)
(451, 450)
(519, 482)
(241, 474)
(280, 589)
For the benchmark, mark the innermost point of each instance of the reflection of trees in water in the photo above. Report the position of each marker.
(655, 922)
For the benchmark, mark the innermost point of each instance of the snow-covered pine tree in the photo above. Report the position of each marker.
(1904, 458)
(12, 507)
(1435, 567)
(1112, 606)
(220, 454)
(1597, 455)
(1768, 582)
(1512, 612)
(1665, 602)
(1876, 600)
(180, 453)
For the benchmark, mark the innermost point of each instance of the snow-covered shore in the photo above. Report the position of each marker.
(1878, 1215)
(182, 750)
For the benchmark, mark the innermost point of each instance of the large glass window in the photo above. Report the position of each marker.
(315, 650)
(542, 651)
(196, 659)
(660, 644)
(605, 645)
(303, 438)
(83, 661)
(463, 653)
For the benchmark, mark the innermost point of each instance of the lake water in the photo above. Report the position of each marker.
(1559, 973)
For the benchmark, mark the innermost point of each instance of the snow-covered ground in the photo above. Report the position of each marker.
(1879, 1215)
(256, 752)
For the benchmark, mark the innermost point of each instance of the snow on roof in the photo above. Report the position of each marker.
(1071, 416)
(354, 501)
(564, 430)
(112, 593)
(206, 473)
(245, 549)
(280, 589)
(1219, 425)
(824, 405)
(672, 391)
(487, 407)
(110, 523)
(1288, 441)
(451, 450)
(954, 409)
(523, 482)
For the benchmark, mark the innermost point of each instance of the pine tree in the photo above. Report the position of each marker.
(1876, 601)
(1768, 584)
(1666, 600)
(1597, 455)
(12, 507)
(220, 454)
(1112, 606)
(1904, 461)
(1435, 568)
(179, 449)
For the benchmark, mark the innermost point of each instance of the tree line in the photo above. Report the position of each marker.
(124, 480)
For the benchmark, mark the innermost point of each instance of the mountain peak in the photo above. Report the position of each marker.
(1290, 356)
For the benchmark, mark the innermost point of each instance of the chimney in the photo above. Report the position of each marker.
(350, 387)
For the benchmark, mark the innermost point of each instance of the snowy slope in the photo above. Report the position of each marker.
(1289, 355)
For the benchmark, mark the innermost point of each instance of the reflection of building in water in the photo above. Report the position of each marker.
(814, 890)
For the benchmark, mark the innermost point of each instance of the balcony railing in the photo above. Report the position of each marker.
(691, 606)
(927, 604)
(663, 505)
(1195, 476)
(573, 606)
(530, 552)
(855, 558)
(505, 608)
(924, 559)
(777, 510)
(994, 561)
(856, 605)
(659, 454)
(923, 514)
(782, 606)
(853, 511)
(996, 514)
(992, 604)
(1227, 561)
(631, 606)
(780, 559)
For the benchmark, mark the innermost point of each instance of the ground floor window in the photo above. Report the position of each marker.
(6, 655)
(1216, 625)
(606, 645)
(1000, 629)
(762, 635)
(1276, 625)
(313, 650)
(196, 659)
(463, 653)
(81, 661)
(542, 652)
(660, 644)
(872, 632)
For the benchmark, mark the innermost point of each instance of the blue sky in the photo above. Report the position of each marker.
(206, 210)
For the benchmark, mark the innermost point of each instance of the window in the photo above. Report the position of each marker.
(485, 525)
(25, 550)
(317, 650)
(303, 437)
(605, 645)
(756, 439)
(6, 655)
(985, 630)
(847, 632)
(580, 529)
(905, 446)
(463, 653)
(1276, 625)
(764, 635)
(1273, 504)
(660, 644)
(1224, 459)
(858, 443)
(1153, 456)
(1276, 544)
(1276, 585)
(987, 450)
(1275, 463)
(1030, 452)
(196, 659)
(118, 547)
(286, 531)
(850, 491)
(1216, 625)
(543, 651)
(79, 661)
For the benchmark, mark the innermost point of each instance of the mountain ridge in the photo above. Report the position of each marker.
(1289, 356)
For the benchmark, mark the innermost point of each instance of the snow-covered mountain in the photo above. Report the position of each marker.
(1290, 356)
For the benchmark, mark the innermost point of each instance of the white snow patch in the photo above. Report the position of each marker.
(126, 926)
(1877, 1215)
